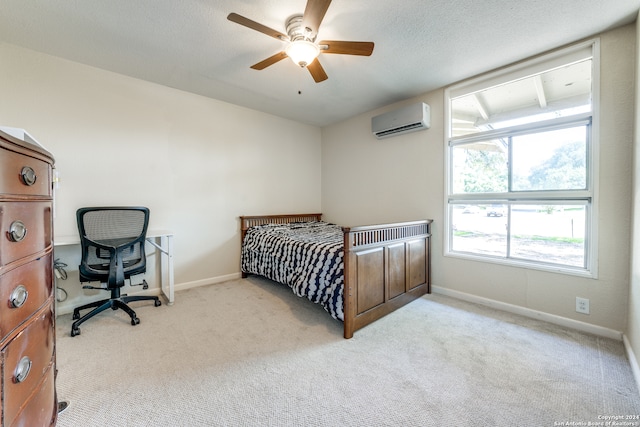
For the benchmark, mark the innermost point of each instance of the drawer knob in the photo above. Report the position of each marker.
(22, 370)
(17, 231)
(28, 175)
(18, 296)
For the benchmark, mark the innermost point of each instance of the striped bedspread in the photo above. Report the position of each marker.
(306, 256)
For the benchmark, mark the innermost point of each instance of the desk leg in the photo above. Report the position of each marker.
(164, 245)
(166, 267)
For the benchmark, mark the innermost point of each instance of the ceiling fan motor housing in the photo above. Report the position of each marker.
(297, 31)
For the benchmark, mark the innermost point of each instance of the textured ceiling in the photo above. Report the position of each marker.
(420, 45)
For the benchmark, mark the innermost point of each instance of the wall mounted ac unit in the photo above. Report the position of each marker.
(403, 120)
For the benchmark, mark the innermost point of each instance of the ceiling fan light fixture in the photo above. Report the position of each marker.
(302, 52)
(301, 47)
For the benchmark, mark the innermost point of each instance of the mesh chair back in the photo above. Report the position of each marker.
(105, 231)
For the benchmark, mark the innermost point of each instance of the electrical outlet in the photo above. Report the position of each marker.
(582, 305)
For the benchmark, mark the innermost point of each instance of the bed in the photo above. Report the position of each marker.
(373, 270)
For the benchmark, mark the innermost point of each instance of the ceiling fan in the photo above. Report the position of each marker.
(302, 47)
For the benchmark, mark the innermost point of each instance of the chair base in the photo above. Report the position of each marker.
(115, 302)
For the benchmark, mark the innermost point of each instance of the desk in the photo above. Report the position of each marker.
(162, 240)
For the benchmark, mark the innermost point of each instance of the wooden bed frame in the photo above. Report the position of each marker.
(385, 266)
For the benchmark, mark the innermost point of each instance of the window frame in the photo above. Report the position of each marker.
(587, 197)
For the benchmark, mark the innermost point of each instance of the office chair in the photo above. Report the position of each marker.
(112, 241)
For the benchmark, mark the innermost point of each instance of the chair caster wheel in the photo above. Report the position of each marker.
(135, 321)
(75, 331)
(158, 303)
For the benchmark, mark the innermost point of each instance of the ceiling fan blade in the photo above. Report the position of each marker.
(269, 61)
(314, 14)
(346, 48)
(239, 19)
(317, 72)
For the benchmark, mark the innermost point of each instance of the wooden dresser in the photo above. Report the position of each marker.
(27, 308)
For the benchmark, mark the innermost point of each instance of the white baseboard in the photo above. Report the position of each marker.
(534, 314)
(205, 282)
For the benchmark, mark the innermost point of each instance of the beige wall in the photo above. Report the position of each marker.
(197, 163)
(633, 327)
(365, 180)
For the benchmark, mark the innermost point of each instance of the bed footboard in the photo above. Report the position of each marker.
(386, 266)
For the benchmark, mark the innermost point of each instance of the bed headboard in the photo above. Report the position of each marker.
(249, 221)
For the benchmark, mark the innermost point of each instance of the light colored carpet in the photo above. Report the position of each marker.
(251, 353)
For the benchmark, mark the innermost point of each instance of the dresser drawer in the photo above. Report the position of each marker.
(25, 228)
(23, 290)
(34, 345)
(23, 175)
(41, 409)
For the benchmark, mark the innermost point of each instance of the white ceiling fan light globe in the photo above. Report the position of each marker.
(302, 52)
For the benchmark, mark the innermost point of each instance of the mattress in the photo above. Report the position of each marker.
(306, 256)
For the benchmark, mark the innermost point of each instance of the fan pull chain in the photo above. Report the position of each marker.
(300, 83)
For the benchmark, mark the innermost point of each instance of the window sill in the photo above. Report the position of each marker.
(550, 268)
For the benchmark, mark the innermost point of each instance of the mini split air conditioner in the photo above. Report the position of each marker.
(403, 120)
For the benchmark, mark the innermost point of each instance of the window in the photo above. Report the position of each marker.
(522, 163)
